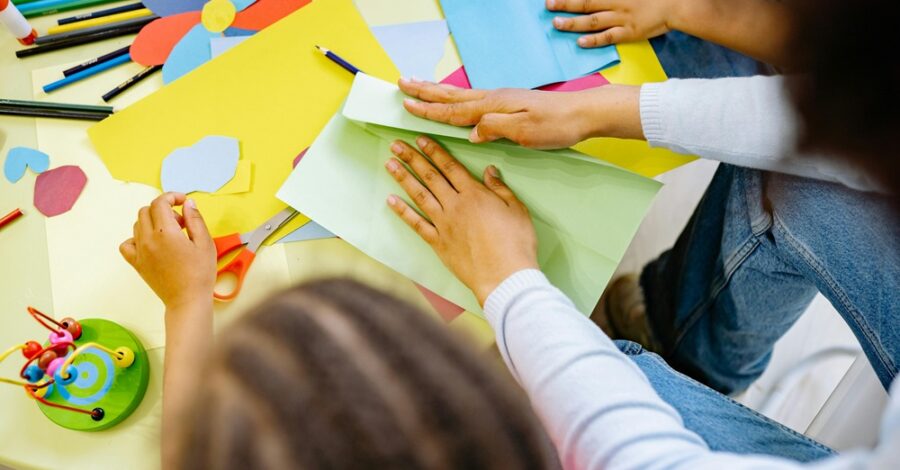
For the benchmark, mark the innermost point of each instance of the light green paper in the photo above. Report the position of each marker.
(585, 212)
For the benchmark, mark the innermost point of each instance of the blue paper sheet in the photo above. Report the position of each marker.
(174, 7)
(513, 44)
(415, 48)
(309, 231)
(190, 52)
(20, 158)
(205, 166)
(218, 46)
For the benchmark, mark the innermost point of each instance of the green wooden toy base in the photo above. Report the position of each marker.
(125, 390)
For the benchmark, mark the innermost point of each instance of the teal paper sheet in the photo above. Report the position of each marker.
(585, 211)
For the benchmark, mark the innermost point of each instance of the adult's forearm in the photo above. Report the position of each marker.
(757, 28)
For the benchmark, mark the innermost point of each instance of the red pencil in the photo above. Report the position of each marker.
(8, 218)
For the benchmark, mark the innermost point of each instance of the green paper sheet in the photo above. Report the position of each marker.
(585, 211)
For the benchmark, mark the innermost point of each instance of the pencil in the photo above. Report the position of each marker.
(114, 33)
(50, 105)
(49, 7)
(8, 218)
(103, 20)
(131, 82)
(76, 77)
(96, 60)
(51, 113)
(100, 13)
(338, 60)
(43, 40)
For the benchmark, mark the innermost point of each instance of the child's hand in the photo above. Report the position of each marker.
(531, 118)
(614, 21)
(180, 268)
(480, 231)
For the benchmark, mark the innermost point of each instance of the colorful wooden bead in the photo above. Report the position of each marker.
(33, 373)
(38, 392)
(31, 349)
(54, 366)
(97, 414)
(61, 336)
(66, 377)
(72, 326)
(46, 358)
(124, 357)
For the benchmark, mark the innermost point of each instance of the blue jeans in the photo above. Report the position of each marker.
(754, 254)
(724, 424)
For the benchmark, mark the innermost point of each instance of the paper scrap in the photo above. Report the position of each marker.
(253, 94)
(299, 157)
(415, 48)
(509, 43)
(445, 308)
(460, 79)
(310, 231)
(155, 41)
(217, 15)
(217, 46)
(584, 210)
(205, 166)
(18, 159)
(173, 7)
(56, 190)
(242, 181)
(191, 52)
(266, 12)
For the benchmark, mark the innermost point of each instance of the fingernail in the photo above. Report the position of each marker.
(551, 3)
(404, 80)
(409, 102)
(559, 22)
(415, 79)
(396, 148)
(582, 41)
(494, 171)
(392, 200)
(190, 203)
(421, 141)
(392, 165)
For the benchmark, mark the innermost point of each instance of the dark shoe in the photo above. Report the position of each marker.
(622, 313)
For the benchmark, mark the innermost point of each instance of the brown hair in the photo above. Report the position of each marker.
(334, 374)
(847, 95)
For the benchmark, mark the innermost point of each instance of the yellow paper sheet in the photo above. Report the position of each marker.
(274, 93)
(242, 180)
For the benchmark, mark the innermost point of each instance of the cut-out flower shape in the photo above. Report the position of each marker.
(179, 39)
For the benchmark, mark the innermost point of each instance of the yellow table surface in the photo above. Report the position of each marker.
(80, 274)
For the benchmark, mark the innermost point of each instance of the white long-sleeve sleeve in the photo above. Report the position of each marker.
(598, 407)
(744, 121)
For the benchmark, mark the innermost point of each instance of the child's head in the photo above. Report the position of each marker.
(334, 374)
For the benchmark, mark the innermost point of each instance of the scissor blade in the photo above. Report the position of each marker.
(263, 232)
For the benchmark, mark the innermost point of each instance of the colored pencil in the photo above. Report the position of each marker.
(131, 82)
(108, 34)
(103, 20)
(100, 13)
(8, 218)
(43, 40)
(96, 60)
(53, 113)
(49, 7)
(338, 60)
(88, 108)
(90, 71)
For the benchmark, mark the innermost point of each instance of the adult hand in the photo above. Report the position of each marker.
(480, 231)
(180, 269)
(537, 119)
(614, 21)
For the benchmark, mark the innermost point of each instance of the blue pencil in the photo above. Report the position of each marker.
(338, 60)
(87, 73)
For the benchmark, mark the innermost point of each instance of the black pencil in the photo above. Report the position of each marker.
(100, 14)
(97, 60)
(103, 35)
(89, 108)
(54, 38)
(48, 113)
(131, 82)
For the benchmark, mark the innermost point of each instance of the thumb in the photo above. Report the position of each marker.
(129, 251)
(494, 183)
(194, 223)
(495, 126)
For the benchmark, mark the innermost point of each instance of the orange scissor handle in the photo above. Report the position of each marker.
(227, 244)
(238, 266)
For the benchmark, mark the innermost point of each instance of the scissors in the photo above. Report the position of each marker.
(248, 243)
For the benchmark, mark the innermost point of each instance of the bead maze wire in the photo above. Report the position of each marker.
(46, 364)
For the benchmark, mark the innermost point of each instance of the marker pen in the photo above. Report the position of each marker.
(12, 18)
